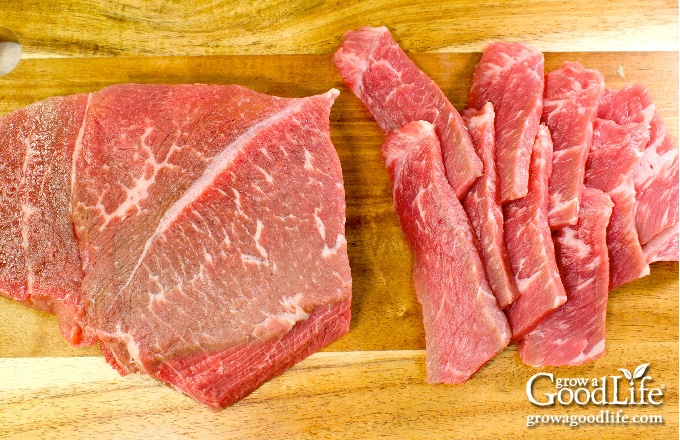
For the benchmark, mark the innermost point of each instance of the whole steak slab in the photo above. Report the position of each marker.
(194, 234)
(196, 231)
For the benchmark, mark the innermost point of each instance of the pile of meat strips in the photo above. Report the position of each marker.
(549, 191)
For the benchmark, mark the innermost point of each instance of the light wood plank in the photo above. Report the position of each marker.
(329, 395)
(159, 28)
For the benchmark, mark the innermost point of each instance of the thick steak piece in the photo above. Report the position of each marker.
(483, 207)
(510, 75)
(530, 245)
(464, 327)
(395, 91)
(223, 378)
(209, 217)
(39, 261)
(574, 334)
(572, 94)
(614, 153)
(655, 174)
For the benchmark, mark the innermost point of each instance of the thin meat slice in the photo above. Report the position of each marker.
(39, 260)
(223, 378)
(483, 207)
(570, 101)
(663, 247)
(510, 75)
(574, 334)
(530, 245)
(615, 151)
(209, 217)
(397, 92)
(464, 327)
(656, 173)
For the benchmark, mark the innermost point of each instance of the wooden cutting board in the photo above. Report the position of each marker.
(370, 383)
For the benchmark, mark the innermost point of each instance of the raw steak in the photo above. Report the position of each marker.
(613, 154)
(656, 173)
(570, 101)
(574, 334)
(510, 75)
(527, 236)
(397, 92)
(192, 228)
(206, 224)
(483, 207)
(464, 327)
(39, 261)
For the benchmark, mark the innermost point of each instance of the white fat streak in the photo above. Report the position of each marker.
(570, 240)
(258, 246)
(652, 165)
(419, 203)
(131, 345)
(248, 258)
(267, 176)
(339, 241)
(292, 304)
(308, 160)
(265, 153)
(524, 283)
(559, 206)
(140, 189)
(212, 171)
(587, 356)
(293, 314)
(78, 146)
(319, 224)
(237, 202)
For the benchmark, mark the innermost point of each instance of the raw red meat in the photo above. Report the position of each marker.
(464, 327)
(397, 92)
(615, 151)
(483, 207)
(663, 247)
(510, 75)
(656, 173)
(527, 236)
(220, 379)
(205, 187)
(39, 261)
(570, 101)
(574, 334)
(210, 222)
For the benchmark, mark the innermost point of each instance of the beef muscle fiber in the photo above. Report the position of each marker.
(464, 327)
(397, 92)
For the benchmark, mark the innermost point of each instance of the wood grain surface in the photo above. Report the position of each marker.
(369, 383)
(177, 28)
